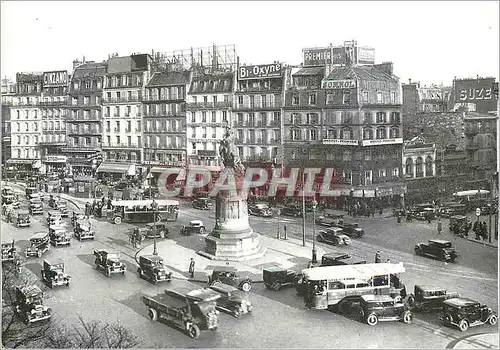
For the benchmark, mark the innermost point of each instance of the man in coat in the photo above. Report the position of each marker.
(191, 268)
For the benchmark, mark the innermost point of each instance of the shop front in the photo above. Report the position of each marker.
(54, 164)
(108, 171)
(20, 169)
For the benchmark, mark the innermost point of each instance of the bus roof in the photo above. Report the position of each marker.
(470, 193)
(352, 271)
(144, 202)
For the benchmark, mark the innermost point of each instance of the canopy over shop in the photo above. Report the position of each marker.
(115, 170)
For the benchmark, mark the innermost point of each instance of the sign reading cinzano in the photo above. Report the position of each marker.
(338, 84)
(55, 78)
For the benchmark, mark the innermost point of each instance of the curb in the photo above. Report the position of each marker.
(483, 243)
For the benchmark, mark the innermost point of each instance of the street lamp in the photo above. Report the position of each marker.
(154, 206)
(314, 258)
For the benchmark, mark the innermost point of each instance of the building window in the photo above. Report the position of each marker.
(332, 134)
(295, 134)
(117, 111)
(214, 119)
(26, 127)
(419, 167)
(394, 133)
(118, 141)
(224, 116)
(240, 100)
(18, 114)
(329, 98)
(313, 134)
(108, 139)
(368, 155)
(393, 97)
(346, 118)
(138, 128)
(395, 172)
(18, 140)
(117, 128)
(108, 126)
(295, 99)
(428, 166)
(380, 117)
(367, 134)
(379, 97)
(295, 118)
(193, 117)
(368, 177)
(203, 117)
(347, 155)
(129, 110)
(395, 118)
(366, 96)
(381, 134)
(86, 100)
(346, 134)
(346, 97)
(312, 99)
(409, 166)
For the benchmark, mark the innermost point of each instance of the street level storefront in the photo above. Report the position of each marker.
(115, 171)
(21, 168)
(83, 186)
(54, 164)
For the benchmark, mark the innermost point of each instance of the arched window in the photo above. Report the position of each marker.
(381, 133)
(419, 167)
(394, 133)
(346, 134)
(428, 166)
(409, 166)
(367, 134)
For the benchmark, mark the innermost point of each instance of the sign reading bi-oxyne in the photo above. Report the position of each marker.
(273, 70)
(55, 78)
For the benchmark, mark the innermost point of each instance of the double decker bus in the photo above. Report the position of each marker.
(142, 211)
(326, 287)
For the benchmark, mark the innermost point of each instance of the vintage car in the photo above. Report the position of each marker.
(277, 277)
(77, 215)
(292, 210)
(195, 226)
(464, 313)
(159, 229)
(352, 229)
(30, 190)
(62, 206)
(449, 210)
(35, 205)
(375, 308)
(203, 203)
(23, 218)
(437, 248)
(29, 304)
(7, 191)
(260, 209)
(110, 263)
(11, 200)
(230, 276)
(52, 201)
(53, 273)
(458, 224)
(333, 235)
(151, 268)
(429, 298)
(39, 244)
(54, 218)
(423, 213)
(231, 300)
(9, 253)
(58, 235)
(329, 222)
(191, 309)
(337, 259)
(83, 230)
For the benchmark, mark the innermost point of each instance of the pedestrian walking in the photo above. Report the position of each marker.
(477, 229)
(485, 230)
(132, 240)
(380, 211)
(399, 217)
(284, 229)
(377, 257)
(191, 268)
(440, 227)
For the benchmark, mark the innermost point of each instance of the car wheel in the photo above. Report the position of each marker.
(108, 272)
(194, 331)
(418, 251)
(463, 325)
(426, 308)
(493, 320)
(236, 313)
(372, 320)
(246, 286)
(216, 282)
(117, 220)
(202, 230)
(152, 314)
(407, 317)
(276, 286)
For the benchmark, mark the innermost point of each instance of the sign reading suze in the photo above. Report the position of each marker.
(260, 71)
(338, 84)
(475, 94)
(55, 78)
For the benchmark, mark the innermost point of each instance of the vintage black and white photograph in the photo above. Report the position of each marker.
(250, 174)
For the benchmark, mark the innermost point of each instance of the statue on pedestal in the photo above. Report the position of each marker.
(229, 154)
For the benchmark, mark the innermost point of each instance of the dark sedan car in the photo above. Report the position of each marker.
(437, 248)
(260, 209)
(231, 300)
(352, 229)
(227, 275)
(292, 210)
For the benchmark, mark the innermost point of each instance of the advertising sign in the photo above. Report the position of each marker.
(366, 55)
(318, 56)
(338, 84)
(55, 78)
(340, 142)
(477, 91)
(55, 159)
(395, 141)
(273, 70)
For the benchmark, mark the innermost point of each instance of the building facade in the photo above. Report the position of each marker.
(123, 92)
(26, 128)
(84, 117)
(257, 111)
(8, 93)
(53, 107)
(209, 108)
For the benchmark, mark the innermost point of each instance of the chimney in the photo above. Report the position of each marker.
(76, 63)
(409, 80)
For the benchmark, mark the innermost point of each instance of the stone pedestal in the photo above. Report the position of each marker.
(232, 238)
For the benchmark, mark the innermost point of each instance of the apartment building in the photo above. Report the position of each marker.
(8, 93)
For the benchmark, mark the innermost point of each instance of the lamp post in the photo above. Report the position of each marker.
(314, 258)
(154, 205)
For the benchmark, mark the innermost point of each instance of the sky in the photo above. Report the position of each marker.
(431, 42)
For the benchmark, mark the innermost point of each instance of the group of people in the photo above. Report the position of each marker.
(97, 206)
(378, 259)
(480, 229)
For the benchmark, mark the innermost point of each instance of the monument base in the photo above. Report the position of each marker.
(233, 249)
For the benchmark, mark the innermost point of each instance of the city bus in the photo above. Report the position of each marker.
(326, 287)
(472, 198)
(142, 211)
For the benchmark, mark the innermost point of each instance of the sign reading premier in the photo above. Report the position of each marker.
(55, 78)
(261, 71)
(338, 84)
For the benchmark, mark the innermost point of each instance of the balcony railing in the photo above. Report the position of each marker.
(255, 106)
(122, 99)
(53, 103)
(221, 104)
(121, 145)
(162, 98)
(85, 132)
(80, 118)
(131, 115)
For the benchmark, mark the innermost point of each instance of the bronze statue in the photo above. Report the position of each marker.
(229, 153)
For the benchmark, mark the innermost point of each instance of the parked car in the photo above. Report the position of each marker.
(110, 263)
(77, 215)
(83, 230)
(464, 313)
(488, 209)
(337, 259)
(429, 298)
(375, 308)
(149, 230)
(7, 191)
(35, 205)
(11, 200)
(260, 209)
(437, 248)
(9, 253)
(39, 244)
(53, 273)
(30, 190)
(450, 210)
(424, 214)
(23, 218)
(151, 268)
(277, 277)
(29, 304)
(329, 222)
(231, 300)
(352, 229)
(333, 235)
(58, 235)
(203, 203)
(194, 226)
(54, 218)
(292, 210)
(230, 276)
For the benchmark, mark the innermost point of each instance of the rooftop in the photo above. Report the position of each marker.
(169, 78)
(368, 73)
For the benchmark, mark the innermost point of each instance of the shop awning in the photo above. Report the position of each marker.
(19, 161)
(117, 168)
